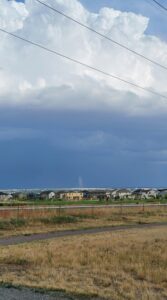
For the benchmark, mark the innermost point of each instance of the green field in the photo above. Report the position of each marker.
(83, 202)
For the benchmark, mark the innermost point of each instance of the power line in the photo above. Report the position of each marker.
(102, 35)
(81, 63)
(158, 3)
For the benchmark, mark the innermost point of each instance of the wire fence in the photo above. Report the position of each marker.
(82, 210)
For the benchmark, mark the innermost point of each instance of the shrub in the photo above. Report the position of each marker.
(4, 225)
(13, 223)
(59, 220)
(18, 222)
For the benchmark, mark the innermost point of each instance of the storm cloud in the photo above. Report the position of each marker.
(61, 122)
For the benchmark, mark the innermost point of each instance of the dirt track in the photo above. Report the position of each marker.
(20, 239)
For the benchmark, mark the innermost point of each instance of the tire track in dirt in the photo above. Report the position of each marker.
(21, 239)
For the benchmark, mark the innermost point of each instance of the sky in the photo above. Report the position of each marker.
(63, 125)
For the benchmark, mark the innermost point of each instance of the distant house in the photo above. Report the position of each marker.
(108, 195)
(114, 194)
(124, 193)
(98, 195)
(162, 192)
(145, 193)
(51, 195)
(33, 196)
(153, 193)
(136, 194)
(47, 195)
(120, 194)
(19, 196)
(5, 196)
(73, 196)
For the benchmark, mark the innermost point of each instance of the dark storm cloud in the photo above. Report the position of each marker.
(105, 149)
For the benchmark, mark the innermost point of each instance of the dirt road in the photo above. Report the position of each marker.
(20, 239)
(30, 294)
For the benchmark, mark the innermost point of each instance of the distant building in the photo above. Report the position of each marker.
(145, 193)
(5, 196)
(51, 195)
(33, 196)
(121, 193)
(73, 196)
(108, 195)
(153, 193)
(47, 195)
(98, 195)
(162, 192)
(19, 196)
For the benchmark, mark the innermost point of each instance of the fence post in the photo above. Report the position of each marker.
(59, 210)
(121, 208)
(18, 211)
(143, 207)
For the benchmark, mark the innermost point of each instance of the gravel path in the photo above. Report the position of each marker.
(28, 294)
(20, 239)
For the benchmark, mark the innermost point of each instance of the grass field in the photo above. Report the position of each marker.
(26, 222)
(37, 202)
(118, 265)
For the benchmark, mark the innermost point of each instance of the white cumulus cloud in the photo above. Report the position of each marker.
(33, 77)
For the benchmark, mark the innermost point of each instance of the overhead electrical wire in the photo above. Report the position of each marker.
(160, 5)
(102, 35)
(82, 63)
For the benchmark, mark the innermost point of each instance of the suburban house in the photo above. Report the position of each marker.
(74, 195)
(51, 195)
(153, 193)
(162, 192)
(19, 195)
(108, 195)
(5, 196)
(47, 195)
(98, 195)
(145, 193)
(32, 196)
(121, 194)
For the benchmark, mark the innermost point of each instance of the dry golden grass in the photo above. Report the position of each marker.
(119, 265)
(97, 212)
(85, 218)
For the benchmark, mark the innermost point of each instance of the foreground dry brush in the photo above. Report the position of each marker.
(119, 265)
(26, 222)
